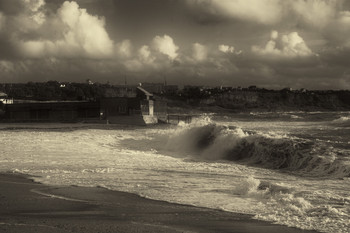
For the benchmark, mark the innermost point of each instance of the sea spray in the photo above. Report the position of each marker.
(210, 141)
(249, 187)
(283, 205)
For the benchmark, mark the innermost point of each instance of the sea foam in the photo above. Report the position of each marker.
(210, 141)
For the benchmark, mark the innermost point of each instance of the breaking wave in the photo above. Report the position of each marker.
(209, 141)
(342, 121)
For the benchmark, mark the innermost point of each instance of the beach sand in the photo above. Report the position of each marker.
(26, 207)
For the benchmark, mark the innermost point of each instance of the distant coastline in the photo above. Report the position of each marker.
(261, 100)
(189, 99)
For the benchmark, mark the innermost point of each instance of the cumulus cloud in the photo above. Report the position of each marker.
(205, 61)
(156, 57)
(144, 60)
(124, 49)
(145, 56)
(274, 35)
(34, 7)
(199, 52)
(289, 46)
(23, 16)
(294, 45)
(70, 32)
(226, 49)
(165, 45)
(198, 60)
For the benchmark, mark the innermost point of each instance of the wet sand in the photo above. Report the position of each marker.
(26, 206)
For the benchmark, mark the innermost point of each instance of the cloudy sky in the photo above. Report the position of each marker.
(268, 43)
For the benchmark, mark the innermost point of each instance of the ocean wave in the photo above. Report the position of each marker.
(342, 121)
(209, 141)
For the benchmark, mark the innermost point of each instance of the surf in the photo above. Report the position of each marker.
(213, 142)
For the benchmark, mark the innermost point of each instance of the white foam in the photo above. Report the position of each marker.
(133, 161)
(342, 119)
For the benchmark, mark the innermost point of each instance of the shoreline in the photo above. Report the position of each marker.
(28, 206)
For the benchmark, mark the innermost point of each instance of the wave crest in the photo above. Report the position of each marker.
(217, 142)
(342, 121)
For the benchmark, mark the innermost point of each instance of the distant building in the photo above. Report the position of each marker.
(4, 98)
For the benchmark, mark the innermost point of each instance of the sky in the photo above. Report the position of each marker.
(267, 43)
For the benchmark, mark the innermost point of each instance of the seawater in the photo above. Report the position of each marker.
(290, 168)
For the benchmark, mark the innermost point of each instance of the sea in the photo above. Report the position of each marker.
(289, 168)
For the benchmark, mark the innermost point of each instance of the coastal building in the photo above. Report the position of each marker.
(153, 110)
(51, 111)
(132, 105)
(121, 110)
(4, 98)
(138, 107)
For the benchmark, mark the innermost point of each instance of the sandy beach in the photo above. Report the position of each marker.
(27, 206)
